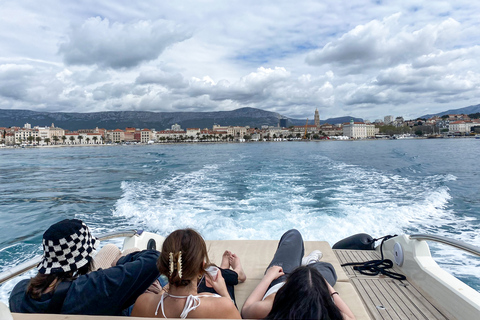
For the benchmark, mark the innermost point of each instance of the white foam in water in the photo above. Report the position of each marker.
(225, 203)
(358, 200)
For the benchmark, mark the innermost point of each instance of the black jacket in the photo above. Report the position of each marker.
(101, 292)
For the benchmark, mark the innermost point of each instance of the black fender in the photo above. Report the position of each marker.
(359, 241)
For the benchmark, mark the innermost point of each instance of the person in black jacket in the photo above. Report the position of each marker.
(65, 283)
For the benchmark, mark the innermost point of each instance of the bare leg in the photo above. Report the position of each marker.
(226, 260)
(237, 267)
(106, 257)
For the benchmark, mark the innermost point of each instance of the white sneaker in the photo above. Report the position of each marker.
(313, 257)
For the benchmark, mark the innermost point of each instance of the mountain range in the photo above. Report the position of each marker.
(152, 120)
(255, 118)
(466, 110)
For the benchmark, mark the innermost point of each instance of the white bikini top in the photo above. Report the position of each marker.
(273, 289)
(191, 304)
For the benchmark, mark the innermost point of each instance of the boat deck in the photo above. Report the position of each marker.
(368, 297)
(384, 297)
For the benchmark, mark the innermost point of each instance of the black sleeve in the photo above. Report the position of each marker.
(109, 291)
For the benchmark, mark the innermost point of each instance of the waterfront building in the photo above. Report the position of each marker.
(463, 126)
(146, 135)
(117, 135)
(359, 130)
(10, 138)
(137, 136)
(388, 119)
(207, 134)
(43, 132)
(193, 132)
(129, 136)
(372, 130)
(237, 132)
(217, 127)
(331, 130)
(311, 128)
(23, 135)
(458, 117)
(55, 133)
(220, 135)
(49, 133)
(170, 135)
(72, 138)
(91, 138)
(277, 132)
(282, 123)
(176, 127)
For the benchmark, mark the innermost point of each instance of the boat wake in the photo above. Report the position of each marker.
(330, 204)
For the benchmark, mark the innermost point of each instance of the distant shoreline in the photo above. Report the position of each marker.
(203, 142)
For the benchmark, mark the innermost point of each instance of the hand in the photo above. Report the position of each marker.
(155, 287)
(218, 285)
(274, 272)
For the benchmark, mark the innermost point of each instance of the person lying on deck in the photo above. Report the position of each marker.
(289, 290)
(184, 260)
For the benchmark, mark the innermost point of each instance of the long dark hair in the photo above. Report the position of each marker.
(41, 282)
(305, 295)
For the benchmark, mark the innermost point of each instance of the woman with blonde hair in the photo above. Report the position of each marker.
(184, 260)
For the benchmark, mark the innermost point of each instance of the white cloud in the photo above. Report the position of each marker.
(384, 43)
(364, 60)
(14, 80)
(119, 45)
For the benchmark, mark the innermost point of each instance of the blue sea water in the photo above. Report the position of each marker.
(328, 190)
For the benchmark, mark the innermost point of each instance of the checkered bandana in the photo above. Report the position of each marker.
(67, 246)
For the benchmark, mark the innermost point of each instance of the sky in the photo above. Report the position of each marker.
(366, 59)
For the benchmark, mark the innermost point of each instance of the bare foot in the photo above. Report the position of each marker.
(237, 267)
(226, 260)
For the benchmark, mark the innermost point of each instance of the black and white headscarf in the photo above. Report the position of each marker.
(67, 246)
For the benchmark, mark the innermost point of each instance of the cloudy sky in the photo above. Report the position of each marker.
(361, 58)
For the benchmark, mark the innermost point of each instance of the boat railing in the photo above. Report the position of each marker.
(27, 265)
(451, 242)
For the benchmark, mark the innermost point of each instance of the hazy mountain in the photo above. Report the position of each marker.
(152, 120)
(466, 110)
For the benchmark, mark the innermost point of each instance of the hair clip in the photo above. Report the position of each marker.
(179, 264)
(172, 266)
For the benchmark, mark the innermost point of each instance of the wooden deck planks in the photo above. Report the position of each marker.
(386, 298)
(348, 256)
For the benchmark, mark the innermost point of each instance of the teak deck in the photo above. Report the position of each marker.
(384, 297)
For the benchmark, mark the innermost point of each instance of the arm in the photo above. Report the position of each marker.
(342, 306)
(109, 291)
(254, 307)
(219, 284)
(223, 309)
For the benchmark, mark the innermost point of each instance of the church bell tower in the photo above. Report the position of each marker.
(317, 119)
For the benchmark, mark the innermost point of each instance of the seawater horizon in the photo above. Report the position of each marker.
(328, 191)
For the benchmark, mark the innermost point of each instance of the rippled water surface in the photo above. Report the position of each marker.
(328, 190)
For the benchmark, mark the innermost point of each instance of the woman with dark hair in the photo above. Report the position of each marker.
(184, 260)
(64, 283)
(289, 290)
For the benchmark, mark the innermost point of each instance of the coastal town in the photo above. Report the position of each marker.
(389, 128)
